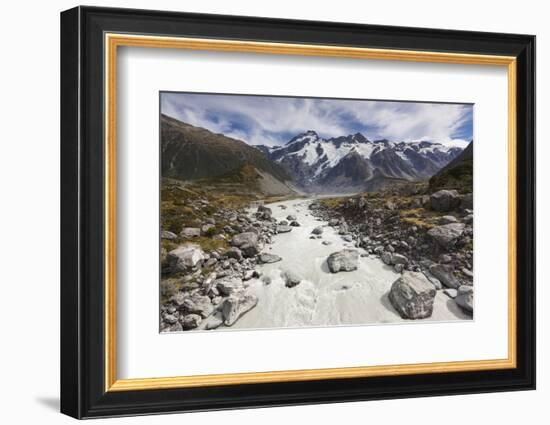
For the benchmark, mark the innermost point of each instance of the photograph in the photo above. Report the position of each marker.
(291, 212)
(296, 233)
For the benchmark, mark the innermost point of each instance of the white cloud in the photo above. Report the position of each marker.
(270, 120)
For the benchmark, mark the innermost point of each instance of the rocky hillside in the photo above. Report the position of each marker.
(351, 163)
(190, 153)
(411, 230)
(458, 174)
(210, 245)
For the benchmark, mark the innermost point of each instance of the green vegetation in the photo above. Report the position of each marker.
(194, 203)
(458, 174)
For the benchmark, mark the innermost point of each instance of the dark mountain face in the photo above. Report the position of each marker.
(350, 174)
(457, 174)
(350, 163)
(190, 153)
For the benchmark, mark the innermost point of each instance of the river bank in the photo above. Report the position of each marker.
(299, 243)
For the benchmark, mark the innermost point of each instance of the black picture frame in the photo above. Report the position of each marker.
(83, 392)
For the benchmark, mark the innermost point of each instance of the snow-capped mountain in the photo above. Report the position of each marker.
(355, 163)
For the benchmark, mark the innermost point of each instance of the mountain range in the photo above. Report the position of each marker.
(354, 163)
(306, 163)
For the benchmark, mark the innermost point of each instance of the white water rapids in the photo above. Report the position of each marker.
(324, 298)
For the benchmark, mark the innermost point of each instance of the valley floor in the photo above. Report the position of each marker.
(323, 298)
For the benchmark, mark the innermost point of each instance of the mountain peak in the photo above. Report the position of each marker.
(358, 137)
(308, 135)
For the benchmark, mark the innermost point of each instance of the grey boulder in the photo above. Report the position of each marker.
(185, 257)
(237, 305)
(247, 242)
(467, 202)
(197, 304)
(230, 285)
(447, 234)
(283, 228)
(269, 258)
(412, 295)
(190, 232)
(399, 259)
(246, 238)
(291, 278)
(447, 219)
(444, 274)
(235, 253)
(318, 230)
(465, 298)
(166, 234)
(444, 200)
(190, 321)
(343, 261)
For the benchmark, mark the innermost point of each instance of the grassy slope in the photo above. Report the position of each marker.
(191, 153)
(189, 204)
(458, 174)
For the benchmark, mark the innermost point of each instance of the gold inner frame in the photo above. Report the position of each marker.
(113, 41)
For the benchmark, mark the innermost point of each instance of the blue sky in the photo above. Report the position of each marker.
(274, 121)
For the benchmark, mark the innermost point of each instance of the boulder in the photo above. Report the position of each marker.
(465, 298)
(213, 322)
(269, 258)
(447, 219)
(318, 230)
(343, 229)
(291, 278)
(185, 257)
(444, 273)
(467, 202)
(247, 242)
(347, 238)
(399, 268)
(334, 222)
(444, 200)
(467, 272)
(451, 293)
(170, 319)
(345, 260)
(235, 253)
(283, 229)
(190, 232)
(264, 213)
(205, 228)
(386, 257)
(197, 304)
(435, 281)
(412, 295)
(399, 259)
(445, 258)
(237, 305)
(294, 224)
(210, 262)
(291, 217)
(166, 234)
(246, 238)
(447, 234)
(263, 208)
(190, 321)
(229, 285)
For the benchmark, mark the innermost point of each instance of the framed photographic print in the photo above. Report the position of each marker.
(261, 212)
